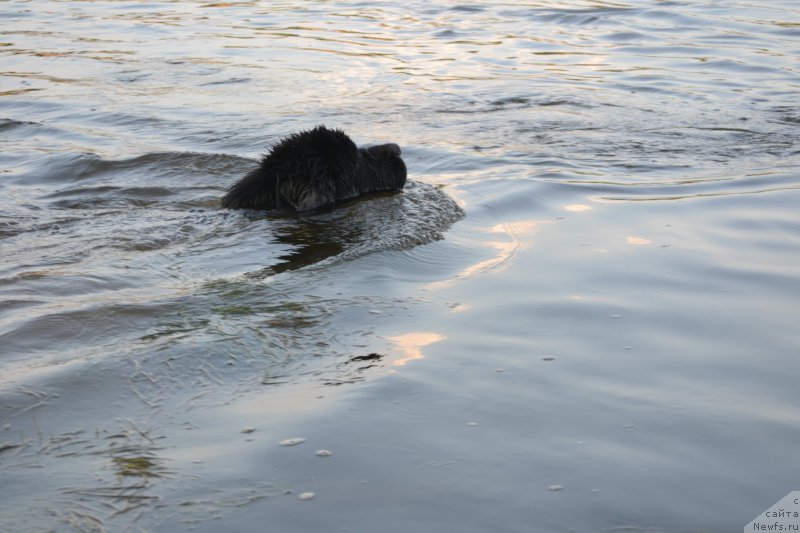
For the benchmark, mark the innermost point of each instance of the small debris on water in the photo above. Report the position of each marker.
(305, 496)
(324, 453)
(472, 424)
(555, 488)
(294, 441)
(499, 369)
(616, 316)
(369, 357)
(248, 429)
(548, 358)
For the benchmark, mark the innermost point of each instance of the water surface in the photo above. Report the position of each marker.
(580, 315)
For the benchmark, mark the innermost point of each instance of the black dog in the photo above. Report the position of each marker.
(315, 168)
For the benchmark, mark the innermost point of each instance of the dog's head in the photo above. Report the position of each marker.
(381, 168)
(315, 168)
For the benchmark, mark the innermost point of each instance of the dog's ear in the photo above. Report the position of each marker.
(305, 185)
(311, 199)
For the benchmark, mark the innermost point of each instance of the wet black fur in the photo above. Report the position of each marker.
(315, 168)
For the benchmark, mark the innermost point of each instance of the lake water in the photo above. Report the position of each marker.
(581, 315)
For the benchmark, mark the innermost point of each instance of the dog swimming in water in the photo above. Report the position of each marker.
(316, 168)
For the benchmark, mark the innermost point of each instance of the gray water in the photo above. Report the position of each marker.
(580, 315)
